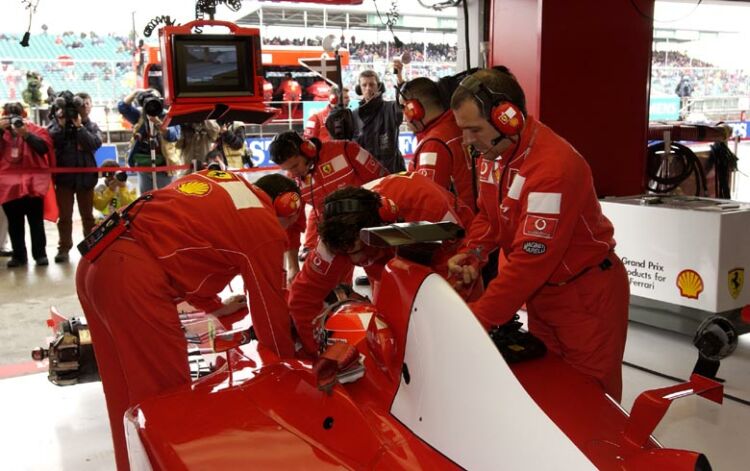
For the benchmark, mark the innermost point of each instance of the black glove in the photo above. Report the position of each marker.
(516, 345)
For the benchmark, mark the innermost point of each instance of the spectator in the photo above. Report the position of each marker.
(113, 191)
(147, 127)
(4, 250)
(76, 140)
(196, 140)
(377, 122)
(683, 90)
(24, 147)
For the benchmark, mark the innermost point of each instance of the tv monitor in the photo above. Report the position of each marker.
(213, 65)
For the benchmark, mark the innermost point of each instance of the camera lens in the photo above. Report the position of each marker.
(16, 121)
(121, 176)
(153, 107)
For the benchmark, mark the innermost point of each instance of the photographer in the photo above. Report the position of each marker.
(76, 138)
(231, 145)
(196, 140)
(24, 147)
(113, 191)
(149, 117)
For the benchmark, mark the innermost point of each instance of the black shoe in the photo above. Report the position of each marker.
(14, 262)
(42, 261)
(362, 281)
(62, 257)
(6, 253)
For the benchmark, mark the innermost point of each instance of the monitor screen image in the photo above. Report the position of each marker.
(213, 66)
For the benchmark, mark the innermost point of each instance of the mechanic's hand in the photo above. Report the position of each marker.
(231, 305)
(77, 122)
(463, 270)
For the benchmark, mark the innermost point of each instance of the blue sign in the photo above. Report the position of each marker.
(105, 152)
(664, 108)
(258, 148)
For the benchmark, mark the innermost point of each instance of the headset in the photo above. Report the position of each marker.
(411, 107)
(504, 116)
(358, 88)
(387, 210)
(287, 204)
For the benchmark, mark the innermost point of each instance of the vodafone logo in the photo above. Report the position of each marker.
(540, 224)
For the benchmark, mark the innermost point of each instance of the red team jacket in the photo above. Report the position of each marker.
(548, 222)
(418, 199)
(442, 157)
(315, 126)
(239, 234)
(339, 164)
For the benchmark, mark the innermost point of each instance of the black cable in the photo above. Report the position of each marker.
(466, 34)
(684, 157)
(653, 19)
(744, 402)
(724, 162)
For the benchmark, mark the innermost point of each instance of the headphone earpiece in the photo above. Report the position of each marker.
(413, 110)
(287, 204)
(411, 107)
(504, 116)
(308, 149)
(387, 212)
(507, 118)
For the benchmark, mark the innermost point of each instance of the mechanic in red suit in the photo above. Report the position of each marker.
(267, 90)
(440, 154)
(319, 90)
(185, 242)
(538, 204)
(319, 169)
(316, 124)
(407, 197)
(289, 90)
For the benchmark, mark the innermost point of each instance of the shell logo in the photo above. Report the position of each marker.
(690, 284)
(194, 188)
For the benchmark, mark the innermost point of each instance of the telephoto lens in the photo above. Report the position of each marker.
(121, 176)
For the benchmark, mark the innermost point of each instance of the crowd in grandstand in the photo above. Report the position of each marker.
(361, 51)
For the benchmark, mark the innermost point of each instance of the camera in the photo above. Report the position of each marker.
(69, 104)
(151, 103)
(120, 176)
(15, 121)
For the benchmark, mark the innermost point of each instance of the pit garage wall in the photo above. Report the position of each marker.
(585, 67)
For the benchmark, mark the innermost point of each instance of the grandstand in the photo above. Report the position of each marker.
(98, 65)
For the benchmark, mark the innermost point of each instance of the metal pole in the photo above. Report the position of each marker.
(152, 147)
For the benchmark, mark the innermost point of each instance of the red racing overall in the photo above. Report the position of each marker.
(315, 126)
(559, 251)
(187, 243)
(418, 199)
(442, 157)
(339, 164)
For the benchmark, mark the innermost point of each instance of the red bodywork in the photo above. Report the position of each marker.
(258, 411)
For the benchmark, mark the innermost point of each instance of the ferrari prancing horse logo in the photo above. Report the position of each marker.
(736, 278)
